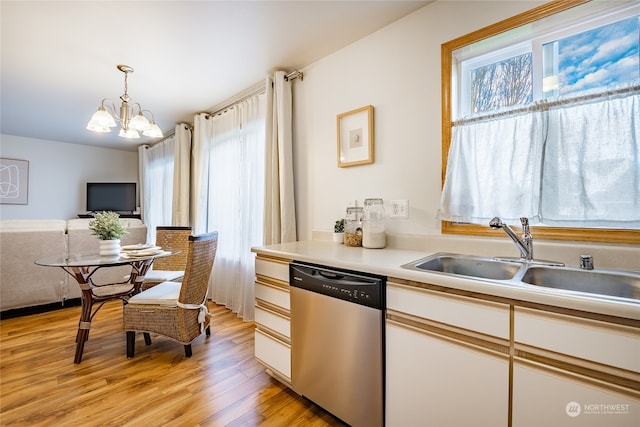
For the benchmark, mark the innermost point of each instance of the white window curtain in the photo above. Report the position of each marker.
(156, 184)
(202, 132)
(494, 169)
(575, 164)
(279, 203)
(229, 149)
(592, 165)
(181, 176)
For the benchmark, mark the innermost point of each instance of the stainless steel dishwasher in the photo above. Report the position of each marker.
(337, 341)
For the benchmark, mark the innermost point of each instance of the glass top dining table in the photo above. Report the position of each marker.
(82, 266)
(94, 259)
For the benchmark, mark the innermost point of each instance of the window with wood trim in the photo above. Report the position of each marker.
(549, 59)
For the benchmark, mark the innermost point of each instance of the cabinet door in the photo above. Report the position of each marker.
(439, 381)
(544, 396)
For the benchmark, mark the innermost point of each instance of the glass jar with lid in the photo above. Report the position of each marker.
(353, 227)
(373, 228)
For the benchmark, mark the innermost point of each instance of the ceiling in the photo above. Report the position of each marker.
(59, 58)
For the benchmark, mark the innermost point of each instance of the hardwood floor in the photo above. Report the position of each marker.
(220, 385)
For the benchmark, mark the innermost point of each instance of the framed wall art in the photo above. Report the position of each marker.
(14, 181)
(355, 137)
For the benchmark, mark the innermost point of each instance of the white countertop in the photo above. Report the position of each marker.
(388, 262)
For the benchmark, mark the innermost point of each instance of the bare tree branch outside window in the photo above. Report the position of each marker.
(502, 84)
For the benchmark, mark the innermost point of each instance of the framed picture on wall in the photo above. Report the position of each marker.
(14, 181)
(355, 137)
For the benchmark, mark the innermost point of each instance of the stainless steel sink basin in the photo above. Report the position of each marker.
(466, 265)
(601, 282)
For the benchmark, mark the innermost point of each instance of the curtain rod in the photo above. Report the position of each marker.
(171, 133)
(255, 89)
(547, 105)
(295, 74)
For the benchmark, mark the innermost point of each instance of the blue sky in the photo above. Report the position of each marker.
(600, 57)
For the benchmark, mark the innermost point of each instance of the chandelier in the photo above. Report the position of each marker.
(131, 123)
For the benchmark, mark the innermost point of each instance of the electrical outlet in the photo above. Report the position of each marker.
(399, 209)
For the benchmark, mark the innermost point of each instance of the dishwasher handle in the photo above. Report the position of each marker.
(324, 274)
(330, 276)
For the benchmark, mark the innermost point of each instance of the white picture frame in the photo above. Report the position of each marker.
(14, 181)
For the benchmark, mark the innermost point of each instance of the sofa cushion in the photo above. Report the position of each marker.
(83, 223)
(22, 282)
(32, 224)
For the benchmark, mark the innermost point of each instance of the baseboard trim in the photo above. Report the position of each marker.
(36, 309)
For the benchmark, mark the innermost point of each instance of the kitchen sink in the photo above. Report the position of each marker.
(466, 265)
(602, 282)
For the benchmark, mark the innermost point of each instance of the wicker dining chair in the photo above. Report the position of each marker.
(169, 269)
(173, 309)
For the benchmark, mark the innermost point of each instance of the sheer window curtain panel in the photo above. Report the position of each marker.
(202, 131)
(571, 163)
(494, 169)
(592, 164)
(229, 152)
(156, 184)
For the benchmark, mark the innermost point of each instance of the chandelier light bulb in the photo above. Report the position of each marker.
(129, 133)
(153, 131)
(97, 128)
(102, 118)
(139, 122)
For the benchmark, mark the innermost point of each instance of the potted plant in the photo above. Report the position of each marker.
(107, 227)
(338, 231)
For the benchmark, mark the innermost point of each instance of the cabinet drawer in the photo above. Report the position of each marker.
(277, 269)
(273, 353)
(274, 321)
(593, 340)
(486, 317)
(274, 295)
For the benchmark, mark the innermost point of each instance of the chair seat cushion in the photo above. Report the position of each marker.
(163, 275)
(165, 294)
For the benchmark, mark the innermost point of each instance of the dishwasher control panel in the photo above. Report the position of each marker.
(356, 287)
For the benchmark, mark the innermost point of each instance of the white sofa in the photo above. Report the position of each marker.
(25, 284)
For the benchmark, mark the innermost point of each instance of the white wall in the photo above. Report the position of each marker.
(58, 173)
(397, 70)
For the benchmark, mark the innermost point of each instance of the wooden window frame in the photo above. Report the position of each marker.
(608, 235)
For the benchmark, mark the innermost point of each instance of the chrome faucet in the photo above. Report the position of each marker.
(524, 244)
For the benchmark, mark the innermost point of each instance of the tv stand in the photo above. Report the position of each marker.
(122, 215)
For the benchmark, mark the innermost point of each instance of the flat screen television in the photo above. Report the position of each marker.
(111, 196)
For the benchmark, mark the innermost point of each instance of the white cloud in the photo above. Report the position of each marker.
(613, 48)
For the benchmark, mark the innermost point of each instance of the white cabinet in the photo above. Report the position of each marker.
(438, 372)
(545, 396)
(273, 317)
(570, 370)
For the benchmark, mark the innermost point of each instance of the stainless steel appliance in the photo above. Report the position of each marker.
(337, 341)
